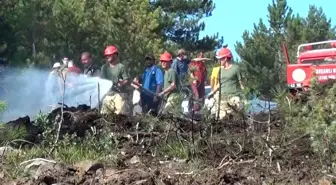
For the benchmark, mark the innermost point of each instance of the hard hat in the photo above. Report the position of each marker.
(110, 50)
(56, 65)
(224, 52)
(166, 57)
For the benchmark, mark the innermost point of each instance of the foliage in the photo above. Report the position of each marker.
(7, 134)
(181, 23)
(309, 113)
(3, 106)
(41, 32)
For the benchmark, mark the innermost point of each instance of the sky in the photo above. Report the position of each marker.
(231, 18)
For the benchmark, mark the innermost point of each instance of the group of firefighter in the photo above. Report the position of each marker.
(160, 87)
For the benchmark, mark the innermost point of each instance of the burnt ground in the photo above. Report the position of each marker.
(233, 151)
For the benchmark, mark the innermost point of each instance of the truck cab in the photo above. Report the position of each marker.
(313, 59)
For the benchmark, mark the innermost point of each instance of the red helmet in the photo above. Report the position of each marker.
(166, 57)
(110, 50)
(224, 52)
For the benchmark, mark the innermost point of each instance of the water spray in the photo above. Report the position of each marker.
(30, 91)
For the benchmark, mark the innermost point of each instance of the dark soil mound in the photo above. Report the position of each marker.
(233, 151)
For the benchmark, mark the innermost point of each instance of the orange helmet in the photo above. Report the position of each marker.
(224, 52)
(166, 57)
(110, 50)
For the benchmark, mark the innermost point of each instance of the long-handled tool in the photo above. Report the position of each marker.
(162, 102)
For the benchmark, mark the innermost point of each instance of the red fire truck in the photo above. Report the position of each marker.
(317, 58)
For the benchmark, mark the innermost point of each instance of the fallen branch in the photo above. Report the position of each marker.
(221, 163)
(234, 162)
(243, 162)
(256, 121)
(292, 141)
(138, 134)
(36, 159)
(184, 173)
(329, 175)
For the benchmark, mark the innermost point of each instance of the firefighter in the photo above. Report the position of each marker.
(214, 74)
(115, 100)
(180, 65)
(230, 85)
(198, 73)
(152, 80)
(54, 85)
(171, 83)
(90, 68)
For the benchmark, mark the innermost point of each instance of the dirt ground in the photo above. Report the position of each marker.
(232, 152)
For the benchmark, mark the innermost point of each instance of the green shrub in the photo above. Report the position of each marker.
(314, 112)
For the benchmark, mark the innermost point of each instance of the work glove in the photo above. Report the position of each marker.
(161, 94)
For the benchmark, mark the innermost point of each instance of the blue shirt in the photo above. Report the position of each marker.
(152, 77)
(181, 67)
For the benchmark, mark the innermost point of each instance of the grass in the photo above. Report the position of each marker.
(174, 148)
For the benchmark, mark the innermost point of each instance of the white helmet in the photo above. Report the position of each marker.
(56, 65)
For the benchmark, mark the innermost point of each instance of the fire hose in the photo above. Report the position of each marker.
(163, 100)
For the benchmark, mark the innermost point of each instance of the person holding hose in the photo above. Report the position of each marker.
(214, 74)
(115, 99)
(152, 80)
(230, 84)
(171, 83)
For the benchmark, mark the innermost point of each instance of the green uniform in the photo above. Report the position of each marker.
(169, 77)
(115, 74)
(229, 80)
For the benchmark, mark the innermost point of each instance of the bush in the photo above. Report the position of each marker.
(314, 113)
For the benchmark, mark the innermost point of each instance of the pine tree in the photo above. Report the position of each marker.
(181, 23)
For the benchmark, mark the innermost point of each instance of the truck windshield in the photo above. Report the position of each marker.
(319, 62)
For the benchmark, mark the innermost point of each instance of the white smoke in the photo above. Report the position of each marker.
(30, 91)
